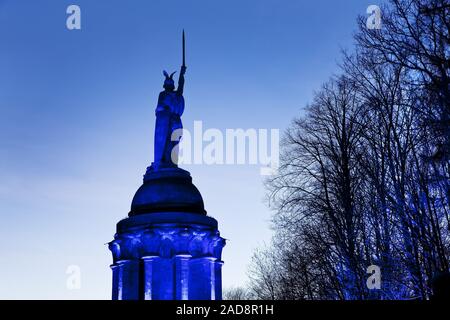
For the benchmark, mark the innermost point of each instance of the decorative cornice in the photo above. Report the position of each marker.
(167, 241)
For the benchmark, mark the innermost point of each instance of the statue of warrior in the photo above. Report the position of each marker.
(168, 119)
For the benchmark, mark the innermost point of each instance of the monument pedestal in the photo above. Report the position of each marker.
(167, 249)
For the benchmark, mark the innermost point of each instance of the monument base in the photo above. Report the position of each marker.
(167, 256)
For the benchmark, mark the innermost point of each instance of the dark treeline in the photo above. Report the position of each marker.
(364, 173)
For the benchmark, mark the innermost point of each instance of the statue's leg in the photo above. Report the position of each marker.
(162, 136)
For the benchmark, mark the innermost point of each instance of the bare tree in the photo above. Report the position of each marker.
(236, 293)
(364, 176)
(318, 184)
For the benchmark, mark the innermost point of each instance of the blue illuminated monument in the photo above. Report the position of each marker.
(167, 248)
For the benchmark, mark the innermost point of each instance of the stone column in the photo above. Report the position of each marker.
(211, 272)
(126, 280)
(182, 276)
(163, 279)
(218, 279)
(115, 281)
(202, 279)
(150, 264)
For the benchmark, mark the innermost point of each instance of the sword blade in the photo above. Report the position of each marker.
(184, 51)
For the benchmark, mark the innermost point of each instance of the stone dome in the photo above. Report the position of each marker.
(167, 190)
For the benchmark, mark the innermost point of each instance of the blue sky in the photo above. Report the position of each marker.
(77, 119)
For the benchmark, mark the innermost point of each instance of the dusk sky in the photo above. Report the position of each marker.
(77, 119)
